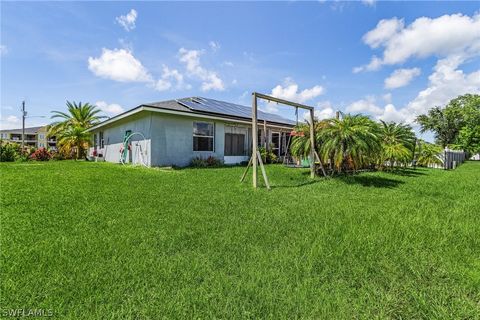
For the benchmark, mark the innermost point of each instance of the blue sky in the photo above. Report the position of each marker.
(391, 60)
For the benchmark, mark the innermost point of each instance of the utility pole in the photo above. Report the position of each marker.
(24, 115)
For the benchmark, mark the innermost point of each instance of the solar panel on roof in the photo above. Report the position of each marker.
(231, 109)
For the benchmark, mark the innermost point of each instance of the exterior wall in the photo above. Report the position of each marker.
(172, 140)
(113, 139)
(42, 138)
(169, 139)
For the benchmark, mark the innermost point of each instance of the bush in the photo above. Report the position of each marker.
(41, 154)
(199, 162)
(55, 155)
(268, 156)
(9, 152)
(23, 157)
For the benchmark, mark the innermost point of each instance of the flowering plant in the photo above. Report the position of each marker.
(41, 154)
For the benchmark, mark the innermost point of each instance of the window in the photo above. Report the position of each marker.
(100, 137)
(94, 138)
(203, 136)
(4, 135)
(41, 136)
(234, 144)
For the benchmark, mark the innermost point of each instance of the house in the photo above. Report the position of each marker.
(36, 137)
(174, 132)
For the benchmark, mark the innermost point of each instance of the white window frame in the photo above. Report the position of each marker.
(203, 136)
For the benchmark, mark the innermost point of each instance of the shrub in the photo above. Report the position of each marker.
(55, 155)
(199, 162)
(213, 162)
(41, 154)
(268, 156)
(23, 157)
(9, 152)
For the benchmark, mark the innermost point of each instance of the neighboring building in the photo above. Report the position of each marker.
(34, 137)
(176, 131)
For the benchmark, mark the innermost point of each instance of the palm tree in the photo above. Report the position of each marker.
(428, 154)
(397, 141)
(349, 143)
(74, 139)
(72, 125)
(300, 146)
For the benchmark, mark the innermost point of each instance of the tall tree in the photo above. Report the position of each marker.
(71, 126)
(446, 123)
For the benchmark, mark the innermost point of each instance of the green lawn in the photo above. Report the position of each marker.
(97, 240)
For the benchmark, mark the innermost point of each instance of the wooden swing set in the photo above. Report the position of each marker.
(256, 158)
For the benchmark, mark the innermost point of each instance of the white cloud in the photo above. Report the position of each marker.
(289, 91)
(455, 39)
(323, 110)
(369, 3)
(168, 77)
(228, 63)
(401, 77)
(384, 31)
(367, 105)
(444, 36)
(128, 21)
(12, 119)
(9, 122)
(119, 65)
(390, 113)
(3, 50)
(445, 83)
(214, 45)
(111, 108)
(210, 79)
(375, 64)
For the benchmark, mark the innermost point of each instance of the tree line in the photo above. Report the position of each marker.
(354, 142)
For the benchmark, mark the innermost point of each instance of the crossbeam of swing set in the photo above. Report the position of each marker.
(256, 158)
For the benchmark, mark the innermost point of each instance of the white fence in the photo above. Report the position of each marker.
(452, 158)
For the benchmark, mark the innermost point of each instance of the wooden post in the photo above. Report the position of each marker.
(265, 134)
(246, 169)
(264, 173)
(254, 139)
(312, 145)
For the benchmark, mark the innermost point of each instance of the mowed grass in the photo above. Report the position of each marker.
(98, 240)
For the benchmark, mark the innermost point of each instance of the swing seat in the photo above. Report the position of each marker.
(296, 134)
